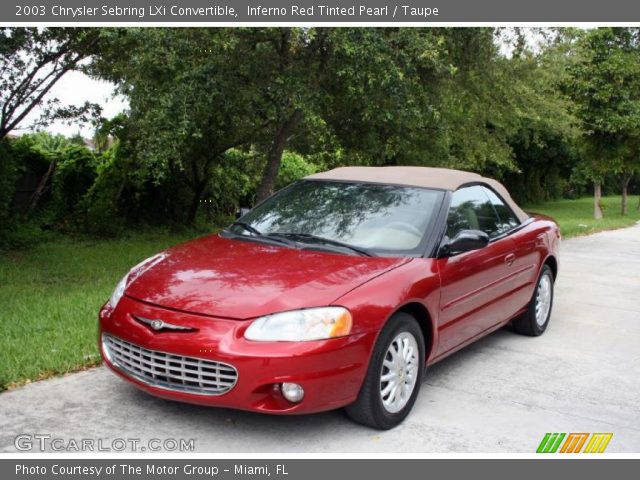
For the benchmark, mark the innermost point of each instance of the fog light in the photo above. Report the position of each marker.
(293, 392)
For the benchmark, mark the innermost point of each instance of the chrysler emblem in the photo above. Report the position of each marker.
(157, 324)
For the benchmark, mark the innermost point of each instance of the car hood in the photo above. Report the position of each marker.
(240, 279)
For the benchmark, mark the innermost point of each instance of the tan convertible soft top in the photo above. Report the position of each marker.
(441, 178)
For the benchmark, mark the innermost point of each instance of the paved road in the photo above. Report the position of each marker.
(499, 395)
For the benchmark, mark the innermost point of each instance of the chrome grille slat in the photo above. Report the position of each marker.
(168, 370)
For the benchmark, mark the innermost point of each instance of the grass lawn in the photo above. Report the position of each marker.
(50, 294)
(575, 217)
(49, 300)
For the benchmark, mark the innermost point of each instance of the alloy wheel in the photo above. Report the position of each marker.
(543, 299)
(399, 372)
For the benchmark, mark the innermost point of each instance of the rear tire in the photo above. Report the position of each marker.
(536, 319)
(394, 376)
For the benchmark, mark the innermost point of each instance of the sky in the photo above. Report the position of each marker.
(75, 88)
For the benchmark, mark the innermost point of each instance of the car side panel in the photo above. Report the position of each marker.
(476, 294)
(532, 248)
(373, 303)
(533, 244)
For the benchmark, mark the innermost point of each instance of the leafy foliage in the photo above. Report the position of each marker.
(219, 118)
(605, 86)
(32, 60)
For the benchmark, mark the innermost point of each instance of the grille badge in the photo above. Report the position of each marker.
(157, 324)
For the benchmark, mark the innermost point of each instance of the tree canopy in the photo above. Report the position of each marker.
(32, 60)
(604, 83)
(221, 117)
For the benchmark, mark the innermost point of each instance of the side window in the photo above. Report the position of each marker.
(507, 218)
(471, 209)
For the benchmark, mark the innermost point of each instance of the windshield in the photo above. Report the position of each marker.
(375, 217)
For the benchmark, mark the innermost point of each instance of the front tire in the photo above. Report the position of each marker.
(394, 375)
(536, 319)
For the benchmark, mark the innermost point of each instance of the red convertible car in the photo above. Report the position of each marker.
(337, 291)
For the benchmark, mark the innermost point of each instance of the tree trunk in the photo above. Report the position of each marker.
(625, 197)
(35, 197)
(198, 190)
(274, 157)
(597, 196)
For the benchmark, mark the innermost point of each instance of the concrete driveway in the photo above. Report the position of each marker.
(501, 394)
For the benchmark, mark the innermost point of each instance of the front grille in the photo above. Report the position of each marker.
(169, 371)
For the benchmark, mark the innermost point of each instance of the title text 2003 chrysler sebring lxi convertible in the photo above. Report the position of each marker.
(337, 291)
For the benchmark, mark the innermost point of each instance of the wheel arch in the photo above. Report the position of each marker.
(418, 311)
(552, 261)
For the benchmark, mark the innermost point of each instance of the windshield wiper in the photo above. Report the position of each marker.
(248, 228)
(309, 238)
(258, 234)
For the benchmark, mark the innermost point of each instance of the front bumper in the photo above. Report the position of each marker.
(330, 371)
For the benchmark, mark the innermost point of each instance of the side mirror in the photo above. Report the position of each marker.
(465, 241)
(242, 211)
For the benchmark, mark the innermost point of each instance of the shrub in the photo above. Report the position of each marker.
(8, 175)
(100, 202)
(74, 175)
(294, 167)
(233, 183)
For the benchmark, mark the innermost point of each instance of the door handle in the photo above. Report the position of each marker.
(509, 259)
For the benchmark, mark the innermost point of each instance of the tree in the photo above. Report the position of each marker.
(627, 166)
(543, 129)
(286, 62)
(32, 61)
(380, 94)
(431, 96)
(605, 85)
(190, 102)
(343, 81)
(51, 148)
(195, 94)
(108, 131)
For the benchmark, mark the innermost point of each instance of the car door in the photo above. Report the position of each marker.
(474, 285)
(529, 244)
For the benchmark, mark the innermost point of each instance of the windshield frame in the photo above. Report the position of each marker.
(424, 248)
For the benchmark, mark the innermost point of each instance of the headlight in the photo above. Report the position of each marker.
(301, 325)
(118, 292)
(134, 273)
